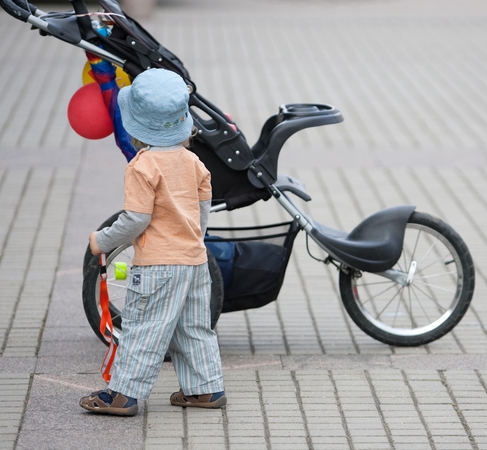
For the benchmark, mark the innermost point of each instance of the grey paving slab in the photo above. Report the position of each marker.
(409, 78)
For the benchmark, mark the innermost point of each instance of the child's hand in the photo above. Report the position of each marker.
(93, 245)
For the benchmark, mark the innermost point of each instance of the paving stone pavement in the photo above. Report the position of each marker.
(410, 80)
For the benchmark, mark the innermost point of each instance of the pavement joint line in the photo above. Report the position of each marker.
(308, 301)
(249, 333)
(345, 316)
(309, 439)
(225, 424)
(283, 329)
(263, 411)
(338, 402)
(26, 402)
(379, 409)
(458, 410)
(481, 380)
(185, 438)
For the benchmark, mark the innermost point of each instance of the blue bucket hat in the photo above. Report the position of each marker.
(155, 110)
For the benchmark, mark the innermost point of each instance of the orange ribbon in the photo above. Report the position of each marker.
(106, 326)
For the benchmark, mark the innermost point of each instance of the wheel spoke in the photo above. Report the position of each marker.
(408, 307)
(375, 283)
(428, 251)
(414, 248)
(420, 303)
(435, 275)
(435, 286)
(440, 258)
(117, 291)
(116, 316)
(389, 302)
(397, 307)
(372, 297)
(431, 297)
(413, 324)
(111, 282)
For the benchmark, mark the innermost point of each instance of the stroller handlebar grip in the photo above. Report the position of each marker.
(19, 9)
(24, 4)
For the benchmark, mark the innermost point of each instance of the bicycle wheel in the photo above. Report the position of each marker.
(434, 294)
(119, 262)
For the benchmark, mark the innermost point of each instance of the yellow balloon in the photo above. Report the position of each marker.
(122, 79)
(86, 76)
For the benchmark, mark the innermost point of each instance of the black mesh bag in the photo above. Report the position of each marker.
(259, 260)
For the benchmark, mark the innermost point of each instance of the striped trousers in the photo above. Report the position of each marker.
(167, 307)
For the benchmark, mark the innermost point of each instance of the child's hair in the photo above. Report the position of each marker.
(139, 144)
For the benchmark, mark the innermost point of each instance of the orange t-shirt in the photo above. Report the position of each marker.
(168, 184)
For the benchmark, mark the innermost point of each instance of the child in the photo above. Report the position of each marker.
(167, 201)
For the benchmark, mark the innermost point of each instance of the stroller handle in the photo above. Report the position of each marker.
(19, 9)
(68, 29)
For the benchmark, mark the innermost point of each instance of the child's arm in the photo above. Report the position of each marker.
(204, 215)
(204, 193)
(124, 230)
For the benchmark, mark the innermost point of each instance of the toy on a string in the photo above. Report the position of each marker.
(93, 111)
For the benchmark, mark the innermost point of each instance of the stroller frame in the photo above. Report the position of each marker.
(383, 247)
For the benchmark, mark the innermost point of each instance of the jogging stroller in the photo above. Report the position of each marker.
(406, 278)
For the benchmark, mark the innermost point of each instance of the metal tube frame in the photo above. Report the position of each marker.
(295, 212)
(85, 45)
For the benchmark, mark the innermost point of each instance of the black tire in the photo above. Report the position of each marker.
(431, 300)
(117, 289)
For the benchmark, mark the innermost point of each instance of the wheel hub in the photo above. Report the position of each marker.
(412, 271)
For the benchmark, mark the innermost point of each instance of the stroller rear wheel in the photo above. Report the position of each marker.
(118, 263)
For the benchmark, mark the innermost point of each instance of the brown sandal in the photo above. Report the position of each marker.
(118, 407)
(198, 401)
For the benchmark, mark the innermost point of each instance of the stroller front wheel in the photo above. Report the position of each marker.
(437, 294)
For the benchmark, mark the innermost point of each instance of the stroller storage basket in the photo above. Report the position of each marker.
(253, 262)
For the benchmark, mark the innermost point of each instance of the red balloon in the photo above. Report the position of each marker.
(88, 114)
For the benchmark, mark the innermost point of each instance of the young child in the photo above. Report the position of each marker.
(167, 201)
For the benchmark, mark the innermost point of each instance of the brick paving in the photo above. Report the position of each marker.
(410, 80)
